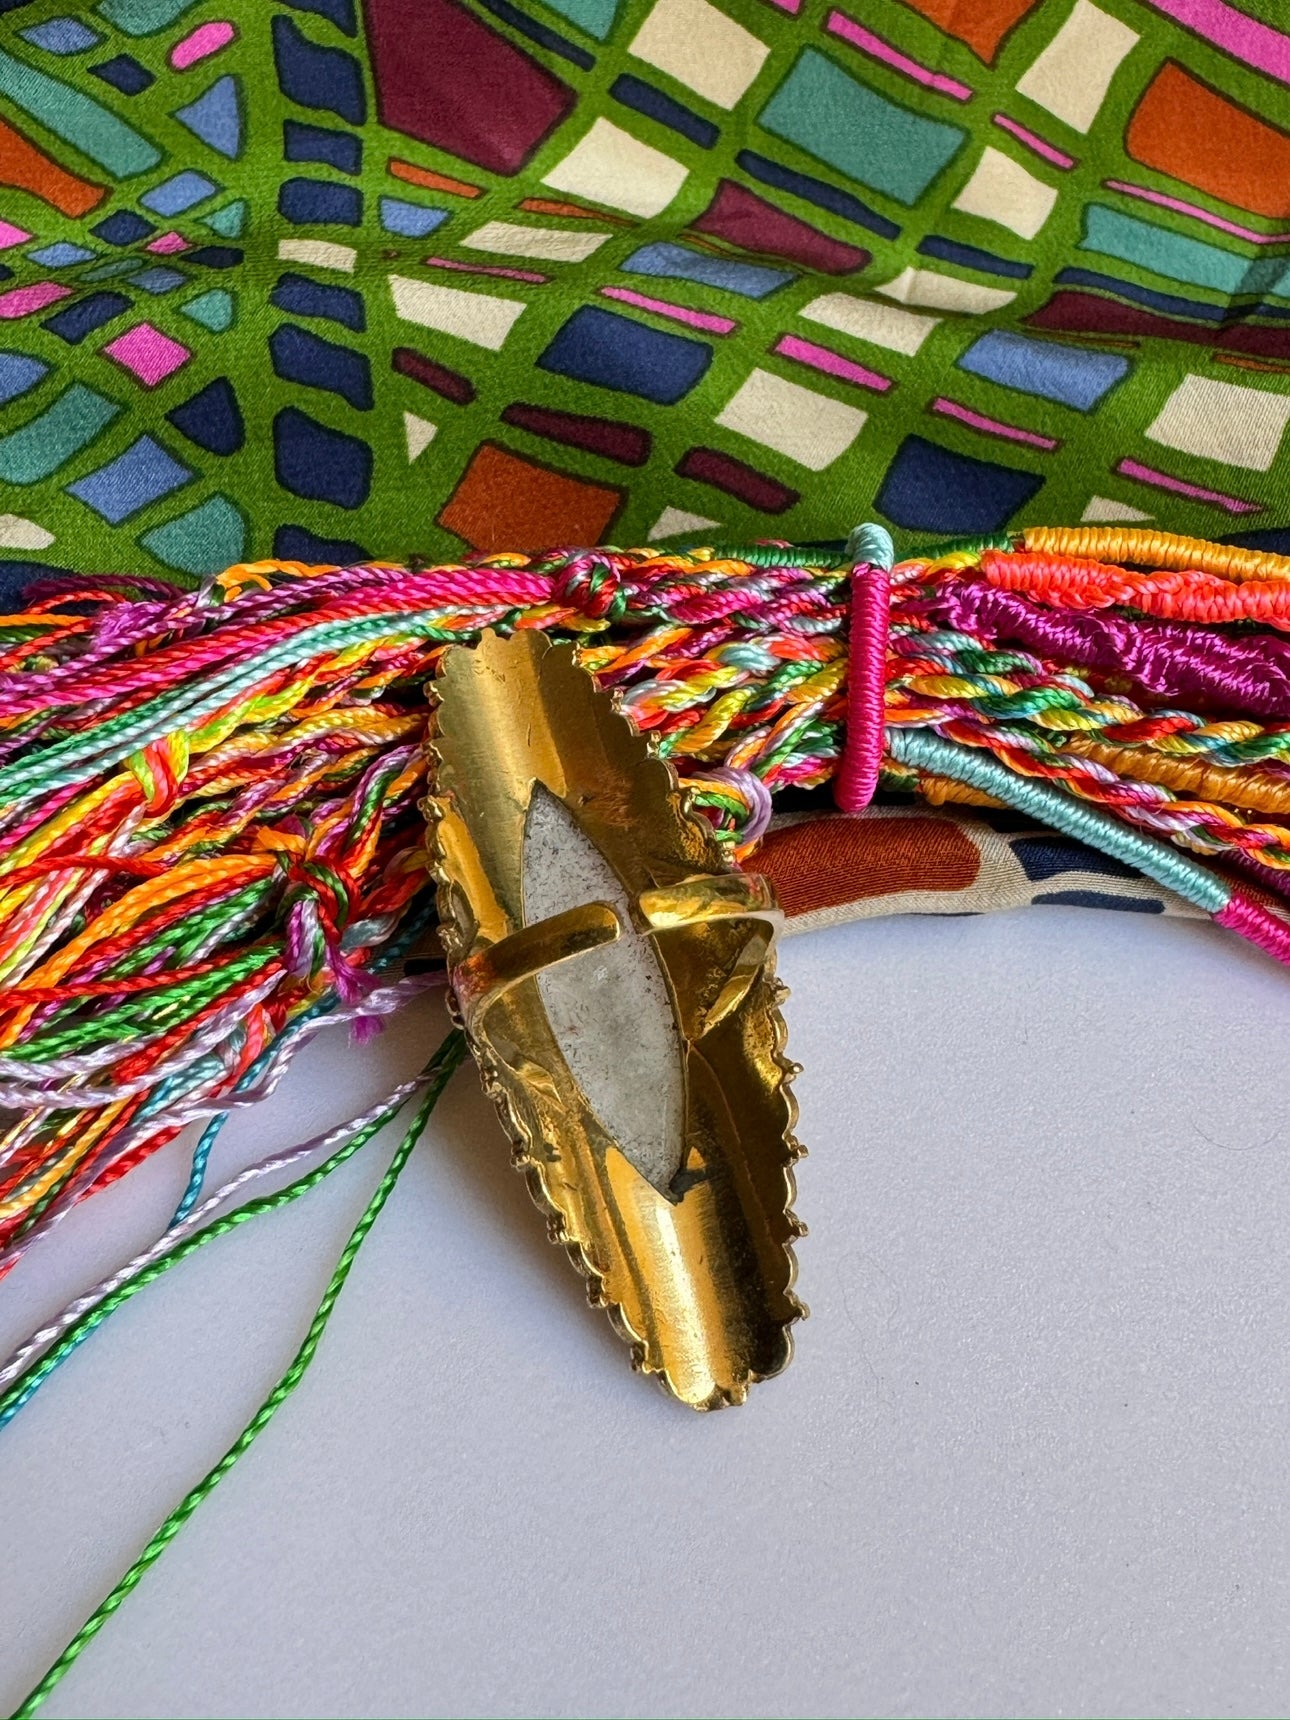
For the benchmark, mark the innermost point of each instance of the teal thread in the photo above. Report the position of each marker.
(1049, 805)
(870, 545)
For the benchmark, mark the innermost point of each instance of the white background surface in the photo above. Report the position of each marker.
(1031, 1458)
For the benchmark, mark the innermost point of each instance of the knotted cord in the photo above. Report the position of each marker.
(211, 843)
(210, 830)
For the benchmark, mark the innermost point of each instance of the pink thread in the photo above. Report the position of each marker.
(1259, 924)
(1170, 659)
(857, 774)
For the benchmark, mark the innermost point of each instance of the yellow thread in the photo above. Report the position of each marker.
(816, 689)
(50, 895)
(88, 1136)
(959, 686)
(937, 790)
(1256, 791)
(717, 720)
(1137, 544)
(942, 563)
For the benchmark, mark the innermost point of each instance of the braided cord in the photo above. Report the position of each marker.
(446, 1060)
(210, 832)
(1053, 807)
(214, 817)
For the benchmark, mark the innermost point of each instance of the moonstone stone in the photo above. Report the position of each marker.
(610, 1009)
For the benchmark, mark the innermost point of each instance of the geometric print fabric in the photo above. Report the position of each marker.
(325, 280)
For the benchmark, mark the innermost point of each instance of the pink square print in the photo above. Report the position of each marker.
(151, 355)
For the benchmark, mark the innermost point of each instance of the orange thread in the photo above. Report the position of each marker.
(1254, 790)
(1191, 596)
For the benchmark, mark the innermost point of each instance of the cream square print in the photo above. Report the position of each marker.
(611, 166)
(701, 48)
(811, 428)
(1071, 76)
(1223, 421)
(871, 320)
(1002, 190)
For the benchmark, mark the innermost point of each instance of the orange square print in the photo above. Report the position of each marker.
(506, 502)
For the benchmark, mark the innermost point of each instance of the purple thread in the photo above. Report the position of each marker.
(755, 793)
(857, 773)
(1200, 668)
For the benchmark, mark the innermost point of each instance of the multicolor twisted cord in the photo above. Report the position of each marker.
(209, 825)
(211, 848)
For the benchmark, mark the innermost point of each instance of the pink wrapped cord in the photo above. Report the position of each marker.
(857, 774)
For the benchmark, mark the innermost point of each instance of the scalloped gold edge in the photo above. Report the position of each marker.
(497, 1089)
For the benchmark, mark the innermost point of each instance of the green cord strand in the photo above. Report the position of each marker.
(445, 1062)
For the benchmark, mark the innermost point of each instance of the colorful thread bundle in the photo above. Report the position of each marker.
(211, 843)
(211, 838)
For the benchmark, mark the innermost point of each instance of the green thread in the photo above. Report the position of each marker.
(782, 555)
(446, 1059)
(965, 546)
